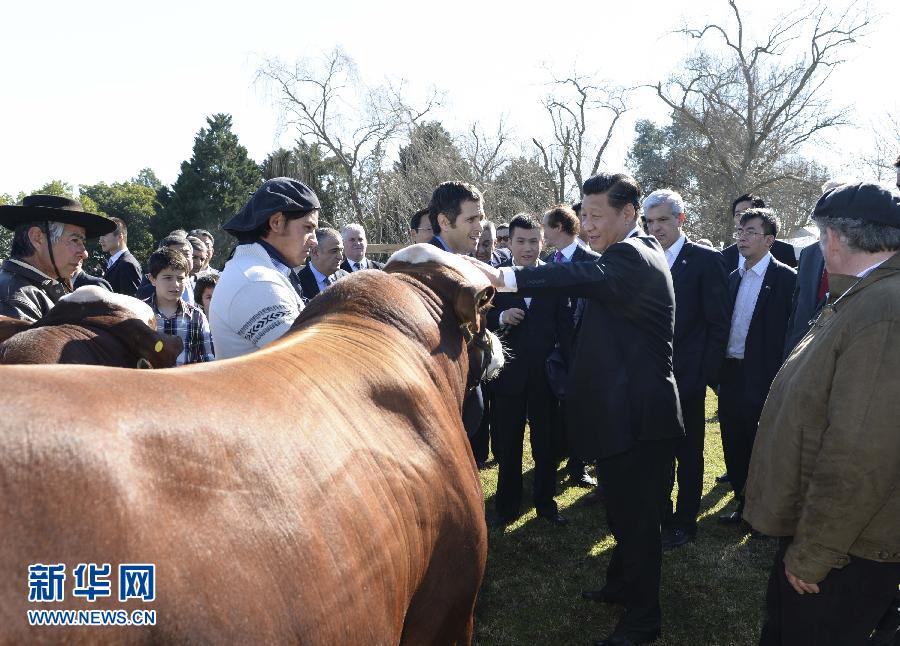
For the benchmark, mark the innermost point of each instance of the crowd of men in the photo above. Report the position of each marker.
(617, 325)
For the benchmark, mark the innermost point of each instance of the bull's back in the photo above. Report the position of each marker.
(277, 500)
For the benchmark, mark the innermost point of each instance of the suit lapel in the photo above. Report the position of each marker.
(764, 291)
(682, 259)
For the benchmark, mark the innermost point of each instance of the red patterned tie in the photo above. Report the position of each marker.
(823, 286)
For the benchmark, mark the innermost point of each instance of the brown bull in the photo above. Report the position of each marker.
(321, 491)
(90, 326)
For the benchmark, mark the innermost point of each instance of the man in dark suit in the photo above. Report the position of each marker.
(809, 295)
(486, 252)
(782, 251)
(322, 268)
(355, 244)
(456, 212)
(761, 292)
(561, 230)
(621, 399)
(531, 328)
(702, 313)
(123, 271)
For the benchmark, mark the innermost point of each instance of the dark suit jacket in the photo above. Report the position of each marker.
(764, 347)
(125, 275)
(805, 305)
(437, 243)
(621, 387)
(547, 322)
(372, 264)
(781, 251)
(702, 317)
(580, 254)
(81, 279)
(308, 280)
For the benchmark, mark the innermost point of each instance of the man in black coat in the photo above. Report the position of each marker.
(622, 400)
(531, 329)
(782, 251)
(123, 271)
(809, 295)
(322, 268)
(702, 312)
(761, 292)
(355, 245)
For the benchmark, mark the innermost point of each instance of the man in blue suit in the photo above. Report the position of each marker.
(761, 293)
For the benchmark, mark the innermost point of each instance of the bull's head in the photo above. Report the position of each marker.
(469, 293)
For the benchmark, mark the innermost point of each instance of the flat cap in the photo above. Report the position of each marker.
(278, 194)
(861, 201)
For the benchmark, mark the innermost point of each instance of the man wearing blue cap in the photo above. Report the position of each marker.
(825, 470)
(258, 295)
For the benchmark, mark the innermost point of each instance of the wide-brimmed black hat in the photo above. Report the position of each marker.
(53, 208)
(278, 194)
(861, 201)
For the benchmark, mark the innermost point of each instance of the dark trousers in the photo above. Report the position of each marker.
(847, 608)
(575, 467)
(689, 471)
(538, 405)
(738, 419)
(633, 483)
(473, 410)
(481, 440)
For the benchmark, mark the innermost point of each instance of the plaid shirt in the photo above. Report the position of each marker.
(190, 324)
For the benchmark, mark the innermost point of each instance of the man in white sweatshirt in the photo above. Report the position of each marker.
(258, 295)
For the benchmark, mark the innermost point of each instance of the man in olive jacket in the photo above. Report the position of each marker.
(825, 471)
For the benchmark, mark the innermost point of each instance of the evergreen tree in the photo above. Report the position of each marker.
(135, 203)
(213, 185)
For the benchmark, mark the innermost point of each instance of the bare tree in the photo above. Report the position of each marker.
(878, 161)
(753, 108)
(325, 102)
(584, 114)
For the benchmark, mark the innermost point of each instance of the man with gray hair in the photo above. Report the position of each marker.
(355, 244)
(825, 470)
(701, 332)
(48, 247)
(323, 267)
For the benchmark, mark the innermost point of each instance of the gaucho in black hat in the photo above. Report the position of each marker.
(49, 234)
(258, 295)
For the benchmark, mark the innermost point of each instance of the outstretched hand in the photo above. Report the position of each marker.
(491, 273)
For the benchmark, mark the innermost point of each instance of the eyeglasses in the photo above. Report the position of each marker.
(424, 229)
(740, 233)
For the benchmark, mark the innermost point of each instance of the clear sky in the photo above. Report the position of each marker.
(94, 91)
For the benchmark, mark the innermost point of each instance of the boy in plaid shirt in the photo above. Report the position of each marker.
(168, 272)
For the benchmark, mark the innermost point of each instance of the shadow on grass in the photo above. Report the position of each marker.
(712, 589)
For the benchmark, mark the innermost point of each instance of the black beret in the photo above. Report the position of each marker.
(860, 201)
(278, 194)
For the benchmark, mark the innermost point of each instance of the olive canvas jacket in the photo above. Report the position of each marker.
(826, 461)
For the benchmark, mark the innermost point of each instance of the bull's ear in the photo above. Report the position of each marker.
(470, 303)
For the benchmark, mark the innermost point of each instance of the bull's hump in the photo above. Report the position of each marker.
(422, 253)
(94, 294)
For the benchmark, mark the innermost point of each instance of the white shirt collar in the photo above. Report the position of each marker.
(113, 258)
(636, 231)
(866, 272)
(675, 249)
(759, 268)
(570, 250)
(320, 277)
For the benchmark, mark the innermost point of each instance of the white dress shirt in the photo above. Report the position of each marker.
(569, 251)
(673, 251)
(113, 258)
(744, 305)
(866, 272)
(321, 279)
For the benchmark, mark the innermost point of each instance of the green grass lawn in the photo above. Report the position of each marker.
(712, 589)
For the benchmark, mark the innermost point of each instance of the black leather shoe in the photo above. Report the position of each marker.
(734, 518)
(722, 479)
(621, 640)
(674, 538)
(602, 596)
(554, 518)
